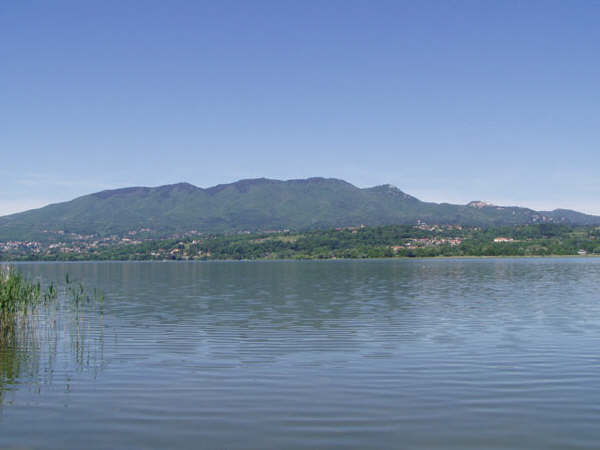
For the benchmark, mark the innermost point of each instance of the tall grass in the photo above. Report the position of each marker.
(19, 300)
(17, 293)
(19, 297)
(29, 327)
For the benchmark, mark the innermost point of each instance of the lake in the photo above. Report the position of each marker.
(423, 354)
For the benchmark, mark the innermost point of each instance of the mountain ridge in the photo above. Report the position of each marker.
(257, 204)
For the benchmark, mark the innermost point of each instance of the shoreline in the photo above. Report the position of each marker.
(403, 258)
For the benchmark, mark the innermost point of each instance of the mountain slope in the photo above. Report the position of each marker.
(258, 204)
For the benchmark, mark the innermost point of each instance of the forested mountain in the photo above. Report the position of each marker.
(259, 205)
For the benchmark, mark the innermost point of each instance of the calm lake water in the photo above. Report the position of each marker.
(425, 354)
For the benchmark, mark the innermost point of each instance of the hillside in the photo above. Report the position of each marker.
(258, 205)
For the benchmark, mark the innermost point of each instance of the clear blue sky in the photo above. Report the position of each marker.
(448, 100)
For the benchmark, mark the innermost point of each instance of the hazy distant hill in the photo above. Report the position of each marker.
(259, 204)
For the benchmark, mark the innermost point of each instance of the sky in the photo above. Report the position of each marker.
(450, 101)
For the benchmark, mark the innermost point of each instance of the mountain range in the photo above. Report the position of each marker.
(260, 205)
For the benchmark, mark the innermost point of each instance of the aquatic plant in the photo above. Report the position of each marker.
(78, 294)
(29, 327)
(18, 298)
(17, 292)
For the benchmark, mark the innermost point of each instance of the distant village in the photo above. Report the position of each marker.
(193, 244)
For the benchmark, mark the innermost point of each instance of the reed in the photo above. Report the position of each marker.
(29, 327)
(19, 297)
(18, 293)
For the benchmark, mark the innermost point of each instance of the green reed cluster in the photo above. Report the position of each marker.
(19, 297)
(18, 293)
(28, 322)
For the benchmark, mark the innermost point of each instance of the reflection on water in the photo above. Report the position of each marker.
(18, 350)
(359, 354)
